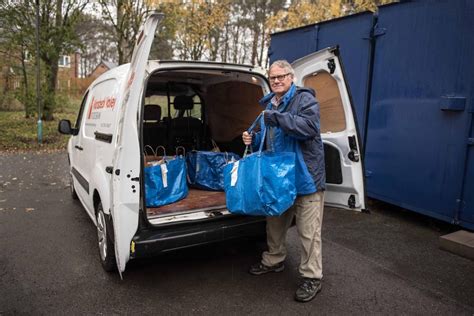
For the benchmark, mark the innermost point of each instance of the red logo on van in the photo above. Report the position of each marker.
(130, 80)
(108, 103)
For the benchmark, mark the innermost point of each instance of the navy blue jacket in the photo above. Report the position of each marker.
(295, 126)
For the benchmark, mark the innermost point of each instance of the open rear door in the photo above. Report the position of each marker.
(126, 172)
(322, 71)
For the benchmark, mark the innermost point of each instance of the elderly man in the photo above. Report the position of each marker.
(292, 116)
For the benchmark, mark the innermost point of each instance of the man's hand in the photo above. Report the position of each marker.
(247, 138)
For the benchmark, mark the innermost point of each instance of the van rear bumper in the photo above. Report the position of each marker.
(149, 242)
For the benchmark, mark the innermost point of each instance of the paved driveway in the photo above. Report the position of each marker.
(386, 262)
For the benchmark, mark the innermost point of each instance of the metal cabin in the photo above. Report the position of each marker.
(410, 69)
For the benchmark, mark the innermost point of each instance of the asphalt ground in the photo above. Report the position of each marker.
(385, 262)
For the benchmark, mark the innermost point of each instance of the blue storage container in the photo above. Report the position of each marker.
(410, 70)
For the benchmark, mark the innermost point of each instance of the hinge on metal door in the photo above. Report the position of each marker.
(470, 141)
(351, 202)
(354, 153)
(452, 103)
(379, 31)
(331, 66)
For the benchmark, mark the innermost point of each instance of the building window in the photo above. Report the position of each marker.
(16, 83)
(64, 61)
(27, 56)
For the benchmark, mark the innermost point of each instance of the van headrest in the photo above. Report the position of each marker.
(152, 112)
(183, 102)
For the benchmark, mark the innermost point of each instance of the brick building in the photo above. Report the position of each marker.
(101, 68)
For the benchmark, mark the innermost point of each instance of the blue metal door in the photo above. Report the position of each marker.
(420, 119)
(466, 203)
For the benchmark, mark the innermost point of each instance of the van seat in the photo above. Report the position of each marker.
(185, 130)
(154, 132)
(152, 113)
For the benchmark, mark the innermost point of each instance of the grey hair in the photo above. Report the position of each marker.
(283, 64)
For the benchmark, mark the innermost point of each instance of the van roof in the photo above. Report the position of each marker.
(122, 70)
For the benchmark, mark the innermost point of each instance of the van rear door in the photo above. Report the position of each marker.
(322, 71)
(126, 170)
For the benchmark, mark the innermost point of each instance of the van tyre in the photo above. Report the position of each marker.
(71, 186)
(105, 242)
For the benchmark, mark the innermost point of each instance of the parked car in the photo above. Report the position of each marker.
(191, 105)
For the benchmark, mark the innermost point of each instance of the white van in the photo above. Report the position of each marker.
(189, 104)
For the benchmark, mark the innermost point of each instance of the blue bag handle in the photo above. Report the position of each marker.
(252, 127)
(151, 148)
(264, 133)
(164, 151)
(178, 149)
(263, 128)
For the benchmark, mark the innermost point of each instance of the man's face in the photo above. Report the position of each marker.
(280, 80)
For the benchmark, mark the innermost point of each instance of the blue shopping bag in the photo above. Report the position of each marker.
(206, 169)
(165, 181)
(262, 183)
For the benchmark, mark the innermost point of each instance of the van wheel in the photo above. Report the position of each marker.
(106, 244)
(71, 186)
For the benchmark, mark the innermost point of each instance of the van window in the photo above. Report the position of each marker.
(162, 101)
(195, 112)
(81, 111)
(330, 103)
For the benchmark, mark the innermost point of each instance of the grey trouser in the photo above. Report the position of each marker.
(308, 210)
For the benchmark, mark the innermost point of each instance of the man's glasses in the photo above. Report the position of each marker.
(279, 77)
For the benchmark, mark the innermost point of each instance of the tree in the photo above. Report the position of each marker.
(57, 36)
(97, 43)
(126, 18)
(13, 49)
(164, 38)
(370, 5)
(304, 12)
(257, 12)
(199, 30)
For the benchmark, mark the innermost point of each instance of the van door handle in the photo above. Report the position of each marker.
(79, 147)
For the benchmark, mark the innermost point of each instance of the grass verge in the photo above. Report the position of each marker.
(18, 133)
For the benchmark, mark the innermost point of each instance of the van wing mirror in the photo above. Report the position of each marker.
(64, 127)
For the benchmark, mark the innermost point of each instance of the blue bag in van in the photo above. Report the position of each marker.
(165, 181)
(206, 168)
(262, 183)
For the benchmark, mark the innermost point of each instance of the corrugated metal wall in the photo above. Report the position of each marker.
(421, 109)
(419, 150)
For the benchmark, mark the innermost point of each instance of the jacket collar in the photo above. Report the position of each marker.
(284, 100)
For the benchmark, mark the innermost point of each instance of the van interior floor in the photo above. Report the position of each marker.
(196, 200)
